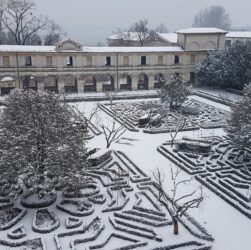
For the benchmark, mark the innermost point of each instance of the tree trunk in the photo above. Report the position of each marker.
(175, 226)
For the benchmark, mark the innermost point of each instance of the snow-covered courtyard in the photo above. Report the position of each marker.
(120, 209)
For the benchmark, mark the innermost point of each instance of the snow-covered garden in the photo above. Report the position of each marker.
(120, 207)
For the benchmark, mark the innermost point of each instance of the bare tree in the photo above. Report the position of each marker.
(161, 28)
(19, 20)
(55, 34)
(111, 130)
(180, 204)
(178, 129)
(214, 16)
(141, 29)
(111, 94)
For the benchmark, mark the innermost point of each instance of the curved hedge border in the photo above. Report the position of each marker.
(15, 220)
(34, 204)
(46, 230)
(71, 212)
(16, 235)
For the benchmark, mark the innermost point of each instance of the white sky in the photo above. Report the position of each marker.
(90, 21)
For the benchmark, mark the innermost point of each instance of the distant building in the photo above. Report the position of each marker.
(161, 39)
(69, 67)
(126, 38)
(234, 36)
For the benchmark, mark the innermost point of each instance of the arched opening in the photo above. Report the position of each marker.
(70, 85)
(107, 83)
(90, 84)
(125, 82)
(210, 45)
(7, 84)
(194, 46)
(30, 82)
(159, 81)
(143, 81)
(51, 84)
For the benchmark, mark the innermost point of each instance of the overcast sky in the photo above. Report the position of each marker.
(90, 21)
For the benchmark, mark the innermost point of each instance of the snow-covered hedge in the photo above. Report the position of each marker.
(229, 198)
(71, 222)
(87, 209)
(44, 216)
(17, 233)
(21, 213)
(135, 243)
(27, 244)
(36, 202)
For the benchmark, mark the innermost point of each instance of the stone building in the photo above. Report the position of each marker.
(69, 67)
(233, 36)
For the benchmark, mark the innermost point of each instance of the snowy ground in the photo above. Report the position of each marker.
(228, 226)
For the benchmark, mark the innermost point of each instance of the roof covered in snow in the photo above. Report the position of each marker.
(201, 31)
(25, 48)
(126, 35)
(239, 34)
(170, 37)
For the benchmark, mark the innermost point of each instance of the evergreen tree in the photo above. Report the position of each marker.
(239, 126)
(41, 143)
(228, 68)
(174, 92)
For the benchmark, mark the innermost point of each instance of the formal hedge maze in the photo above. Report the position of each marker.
(218, 165)
(117, 209)
(152, 117)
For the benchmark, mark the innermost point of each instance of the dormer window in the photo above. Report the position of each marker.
(28, 61)
(70, 61)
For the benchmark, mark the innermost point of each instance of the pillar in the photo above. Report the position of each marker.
(135, 79)
(80, 86)
(40, 84)
(61, 87)
(150, 82)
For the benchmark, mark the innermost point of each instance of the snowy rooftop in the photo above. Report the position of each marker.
(239, 34)
(170, 37)
(201, 31)
(20, 48)
(133, 36)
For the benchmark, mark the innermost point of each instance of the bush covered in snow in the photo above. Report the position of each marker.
(40, 140)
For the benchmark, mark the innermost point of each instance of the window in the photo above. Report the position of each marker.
(49, 61)
(143, 60)
(89, 61)
(192, 59)
(160, 60)
(28, 61)
(228, 43)
(177, 74)
(126, 60)
(6, 61)
(176, 59)
(108, 61)
(70, 61)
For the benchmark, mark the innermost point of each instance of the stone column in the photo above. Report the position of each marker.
(99, 86)
(150, 82)
(81, 86)
(40, 83)
(135, 79)
(61, 87)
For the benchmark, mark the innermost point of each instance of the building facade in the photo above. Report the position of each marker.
(68, 67)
